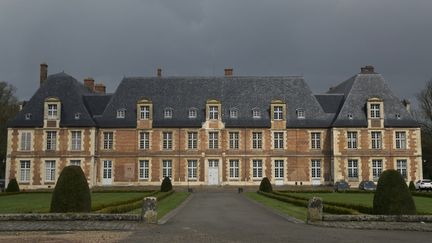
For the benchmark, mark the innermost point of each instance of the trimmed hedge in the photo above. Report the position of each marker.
(265, 185)
(12, 186)
(166, 185)
(422, 194)
(113, 204)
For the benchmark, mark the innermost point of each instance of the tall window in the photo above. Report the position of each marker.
(75, 162)
(352, 169)
(51, 142)
(377, 167)
(50, 170)
(279, 169)
(401, 167)
(76, 140)
(167, 140)
(145, 112)
(352, 140)
(376, 140)
(24, 170)
(168, 113)
(316, 169)
(233, 140)
(234, 169)
(316, 140)
(257, 168)
(107, 169)
(375, 111)
(52, 111)
(144, 140)
(213, 140)
(257, 140)
(26, 141)
(278, 113)
(108, 140)
(167, 168)
(213, 112)
(144, 169)
(278, 138)
(192, 169)
(400, 140)
(192, 140)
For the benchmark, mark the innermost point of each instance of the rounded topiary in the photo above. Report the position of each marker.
(166, 185)
(392, 196)
(12, 186)
(412, 186)
(265, 185)
(71, 193)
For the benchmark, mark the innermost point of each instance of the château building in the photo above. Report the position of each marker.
(227, 130)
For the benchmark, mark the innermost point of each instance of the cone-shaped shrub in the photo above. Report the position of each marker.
(392, 196)
(12, 186)
(265, 185)
(412, 186)
(166, 185)
(71, 193)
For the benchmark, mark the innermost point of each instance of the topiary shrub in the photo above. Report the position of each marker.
(166, 185)
(13, 186)
(265, 185)
(71, 193)
(412, 186)
(392, 196)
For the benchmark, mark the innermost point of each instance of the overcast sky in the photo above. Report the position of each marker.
(327, 41)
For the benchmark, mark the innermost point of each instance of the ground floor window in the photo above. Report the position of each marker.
(279, 169)
(353, 169)
(234, 169)
(401, 166)
(192, 169)
(50, 170)
(25, 171)
(167, 169)
(316, 169)
(107, 169)
(257, 168)
(377, 167)
(143, 169)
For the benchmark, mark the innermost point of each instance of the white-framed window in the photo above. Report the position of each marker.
(257, 140)
(400, 140)
(376, 140)
(279, 169)
(144, 169)
(234, 168)
(277, 112)
(257, 168)
(353, 169)
(192, 140)
(25, 141)
(278, 140)
(256, 113)
(168, 113)
(144, 112)
(50, 167)
(192, 169)
(52, 111)
(300, 113)
(25, 170)
(51, 142)
(144, 140)
(108, 138)
(352, 140)
(76, 162)
(167, 140)
(234, 113)
(167, 168)
(316, 169)
(401, 167)
(192, 113)
(107, 169)
(76, 140)
(315, 140)
(377, 168)
(233, 140)
(213, 112)
(213, 140)
(375, 111)
(121, 113)
(28, 116)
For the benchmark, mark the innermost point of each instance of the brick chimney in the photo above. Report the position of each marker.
(159, 72)
(89, 83)
(43, 72)
(369, 69)
(228, 72)
(100, 88)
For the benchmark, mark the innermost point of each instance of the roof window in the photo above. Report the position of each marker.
(121, 113)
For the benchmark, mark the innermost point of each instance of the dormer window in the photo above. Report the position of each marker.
(168, 113)
(77, 116)
(375, 111)
(144, 112)
(213, 112)
(350, 116)
(256, 113)
(233, 113)
(121, 113)
(300, 113)
(28, 116)
(52, 111)
(278, 113)
(398, 116)
(192, 113)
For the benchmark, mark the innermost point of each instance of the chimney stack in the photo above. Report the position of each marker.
(159, 72)
(369, 69)
(100, 88)
(89, 83)
(228, 72)
(43, 72)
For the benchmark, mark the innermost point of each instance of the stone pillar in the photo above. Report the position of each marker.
(149, 210)
(315, 210)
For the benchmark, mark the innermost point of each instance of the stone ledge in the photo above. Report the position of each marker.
(382, 218)
(69, 217)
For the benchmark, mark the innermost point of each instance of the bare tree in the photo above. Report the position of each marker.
(425, 119)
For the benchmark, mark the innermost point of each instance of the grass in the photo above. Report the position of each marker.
(282, 207)
(167, 204)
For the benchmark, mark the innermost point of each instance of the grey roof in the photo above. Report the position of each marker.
(96, 103)
(331, 103)
(357, 90)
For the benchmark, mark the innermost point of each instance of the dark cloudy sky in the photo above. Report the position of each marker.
(327, 41)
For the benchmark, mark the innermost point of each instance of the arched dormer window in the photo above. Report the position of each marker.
(234, 113)
(168, 113)
(256, 113)
(121, 113)
(192, 112)
(52, 108)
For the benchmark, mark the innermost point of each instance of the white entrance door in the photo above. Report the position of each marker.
(107, 172)
(213, 172)
(279, 172)
(316, 172)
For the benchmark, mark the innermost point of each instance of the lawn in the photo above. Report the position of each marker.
(282, 207)
(167, 204)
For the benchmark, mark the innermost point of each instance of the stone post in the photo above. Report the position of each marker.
(149, 210)
(315, 210)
